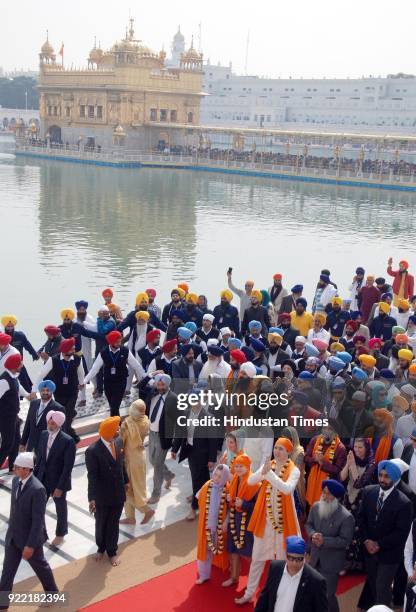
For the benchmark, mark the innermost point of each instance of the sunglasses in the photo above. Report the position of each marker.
(295, 559)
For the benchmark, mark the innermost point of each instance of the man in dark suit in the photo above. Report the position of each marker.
(384, 521)
(289, 302)
(162, 410)
(36, 416)
(289, 333)
(293, 586)
(54, 462)
(197, 444)
(185, 370)
(330, 528)
(10, 393)
(26, 533)
(107, 484)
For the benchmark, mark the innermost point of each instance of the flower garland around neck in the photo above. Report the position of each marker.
(331, 450)
(240, 540)
(219, 548)
(277, 525)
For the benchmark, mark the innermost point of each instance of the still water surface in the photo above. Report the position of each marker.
(69, 230)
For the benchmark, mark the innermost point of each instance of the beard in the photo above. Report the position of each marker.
(327, 509)
(273, 349)
(82, 316)
(209, 367)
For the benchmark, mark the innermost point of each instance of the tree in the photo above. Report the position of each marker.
(12, 93)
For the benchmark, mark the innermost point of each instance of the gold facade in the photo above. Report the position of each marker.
(127, 88)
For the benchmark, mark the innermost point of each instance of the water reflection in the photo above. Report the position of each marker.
(75, 229)
(130, 219)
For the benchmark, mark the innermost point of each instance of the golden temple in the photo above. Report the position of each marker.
(125, 96)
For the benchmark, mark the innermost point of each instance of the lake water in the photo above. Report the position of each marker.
(69, 230)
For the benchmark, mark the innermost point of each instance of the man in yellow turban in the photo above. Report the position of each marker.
(318, 332)
(191, 311)
(382, 325)
(405, 359)
(142, 305)
(107, 485)
(19, 342)
(256, 312)
(337, 318)
(226, 315)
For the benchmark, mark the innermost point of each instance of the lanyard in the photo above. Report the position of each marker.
(65, 367)
(114, 359)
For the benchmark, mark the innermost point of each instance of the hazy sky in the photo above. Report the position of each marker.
(301, 38)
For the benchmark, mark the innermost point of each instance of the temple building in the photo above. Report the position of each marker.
(126, 96)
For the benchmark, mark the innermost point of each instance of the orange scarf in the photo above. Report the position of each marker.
(257, 522)
(221, 560)
(242, 489)
(317, 474)
(383, 449)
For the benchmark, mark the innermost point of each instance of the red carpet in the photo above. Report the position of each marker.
(176, 592)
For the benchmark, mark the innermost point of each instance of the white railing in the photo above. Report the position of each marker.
(120, 156)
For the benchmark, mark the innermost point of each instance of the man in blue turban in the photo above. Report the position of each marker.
(293, 580)
(36, 416)
(330, 528)
(384, 522)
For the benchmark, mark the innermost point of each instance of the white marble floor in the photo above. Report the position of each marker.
(80, 542)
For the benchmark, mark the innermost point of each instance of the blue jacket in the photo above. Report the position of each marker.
(381, 327)
(194, 315)
(130, 322)
(103, 328)
(227, 316)
(20, 342)
(75, 330)
(335, 322)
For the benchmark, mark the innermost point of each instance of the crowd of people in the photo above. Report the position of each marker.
(301, 157)
(335, 494)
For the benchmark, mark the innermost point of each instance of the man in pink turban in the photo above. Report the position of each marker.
(56, 458)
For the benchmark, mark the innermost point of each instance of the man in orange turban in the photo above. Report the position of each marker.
(403, 284)
(277, 292)
(274, 516)
(113, 308)
(107, 485)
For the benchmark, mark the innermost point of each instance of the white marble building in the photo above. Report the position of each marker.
(382, 103)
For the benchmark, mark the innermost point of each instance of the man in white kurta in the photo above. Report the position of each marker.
(271, 545)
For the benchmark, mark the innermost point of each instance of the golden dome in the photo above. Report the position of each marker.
(192, 54)
(47, 48)
(143, 50)
(95, 55)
